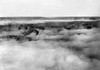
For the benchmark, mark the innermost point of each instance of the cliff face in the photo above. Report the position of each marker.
(25, 30)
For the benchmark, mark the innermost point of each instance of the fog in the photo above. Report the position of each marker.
(75, 54)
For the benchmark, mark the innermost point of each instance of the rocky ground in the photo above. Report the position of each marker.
(50, 45)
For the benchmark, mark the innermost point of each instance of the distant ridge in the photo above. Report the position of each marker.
(49, 18)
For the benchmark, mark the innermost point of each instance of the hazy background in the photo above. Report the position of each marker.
(49, 8)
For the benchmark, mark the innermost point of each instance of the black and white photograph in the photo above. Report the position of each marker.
(49, 34)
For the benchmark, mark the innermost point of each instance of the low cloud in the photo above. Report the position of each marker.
(53, 55)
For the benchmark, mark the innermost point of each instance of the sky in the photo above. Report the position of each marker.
(49, 8)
